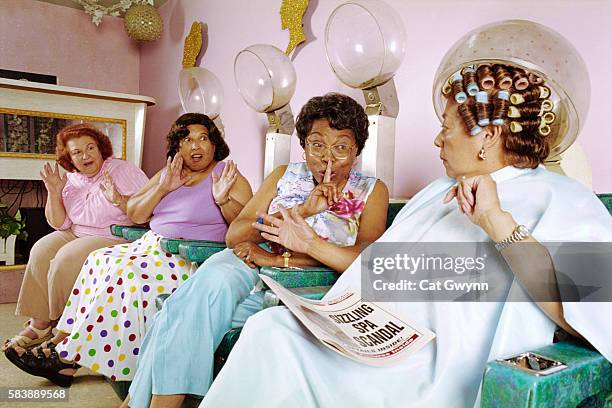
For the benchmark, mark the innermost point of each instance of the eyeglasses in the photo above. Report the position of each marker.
(340, 151)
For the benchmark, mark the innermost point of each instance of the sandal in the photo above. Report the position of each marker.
(27, 343)
(43, 366)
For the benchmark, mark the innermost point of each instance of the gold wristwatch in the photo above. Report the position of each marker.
(520, 233)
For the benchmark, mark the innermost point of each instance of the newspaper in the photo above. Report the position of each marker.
(362, 331)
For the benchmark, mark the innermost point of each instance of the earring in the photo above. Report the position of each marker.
(482, 155)
(304, 156)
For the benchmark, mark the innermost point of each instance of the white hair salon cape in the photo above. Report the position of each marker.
(278, 363)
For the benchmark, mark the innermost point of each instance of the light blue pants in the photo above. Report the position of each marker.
(176, 356)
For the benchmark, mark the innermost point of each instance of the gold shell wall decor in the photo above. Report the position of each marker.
(143, 23)
(292, 12)
(193, 45)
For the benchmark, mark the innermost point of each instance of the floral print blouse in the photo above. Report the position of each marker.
(339, 224)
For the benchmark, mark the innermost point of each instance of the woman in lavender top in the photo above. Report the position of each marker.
(195, 196)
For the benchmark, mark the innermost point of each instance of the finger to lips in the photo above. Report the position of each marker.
(328, 171)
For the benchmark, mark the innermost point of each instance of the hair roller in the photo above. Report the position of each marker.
(520, 80)
(469, 80)
(482, 108)
(534, 79)
(470, 121)
(530, 95)
(502, 77)
(525, 125)
(485, 77)
(529, 110)
(447, 87)
(547, 106)
(457, 87)
(500, 107)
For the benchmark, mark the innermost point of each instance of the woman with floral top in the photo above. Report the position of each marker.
(338, 209)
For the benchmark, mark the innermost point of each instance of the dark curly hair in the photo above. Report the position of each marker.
(179, 131)
(76, 131)
(341, 111)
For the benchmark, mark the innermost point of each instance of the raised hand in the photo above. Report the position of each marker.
(477, 197)
(173, 178)
(54, 183)
(323, 196)
(109, 189)
(221, 185)
(292, 232)
(253, 255)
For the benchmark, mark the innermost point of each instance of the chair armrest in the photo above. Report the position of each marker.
(303, 277)
(587, 374)
(199, 251)
(134, 233)
(171, 245)
(312, 293)
(117, 230)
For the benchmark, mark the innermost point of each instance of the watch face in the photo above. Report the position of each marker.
(523, 231)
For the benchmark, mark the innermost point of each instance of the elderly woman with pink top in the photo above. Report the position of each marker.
(112, 304)
(81, 206)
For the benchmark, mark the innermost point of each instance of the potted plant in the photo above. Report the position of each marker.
(11, 227)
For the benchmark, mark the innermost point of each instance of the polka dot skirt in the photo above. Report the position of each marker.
(113, 303)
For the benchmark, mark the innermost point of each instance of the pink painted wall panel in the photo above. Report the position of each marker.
(432, 27)
(56, 40)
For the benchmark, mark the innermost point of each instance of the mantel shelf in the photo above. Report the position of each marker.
(72, 91)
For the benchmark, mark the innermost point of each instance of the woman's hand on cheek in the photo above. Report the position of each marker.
(172, 178)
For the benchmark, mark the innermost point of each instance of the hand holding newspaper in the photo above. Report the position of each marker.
(359, 330)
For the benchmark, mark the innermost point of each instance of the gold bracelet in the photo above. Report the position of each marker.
(225, 202)
(286, 255)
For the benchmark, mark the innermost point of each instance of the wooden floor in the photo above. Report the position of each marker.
(86, 391)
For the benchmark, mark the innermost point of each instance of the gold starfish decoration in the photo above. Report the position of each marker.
(193, 45)
(292, 12)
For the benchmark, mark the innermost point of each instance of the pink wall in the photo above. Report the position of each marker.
(432, 27)
(44, 38)
(55, 40)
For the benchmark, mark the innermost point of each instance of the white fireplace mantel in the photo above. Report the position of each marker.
(121, 116)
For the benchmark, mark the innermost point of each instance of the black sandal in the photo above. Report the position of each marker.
(43, 366)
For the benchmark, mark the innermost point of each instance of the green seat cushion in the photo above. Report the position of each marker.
(299, 278)
(587, 374)
(199, 251)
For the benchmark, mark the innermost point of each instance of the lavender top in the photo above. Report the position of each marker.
(190, 213)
